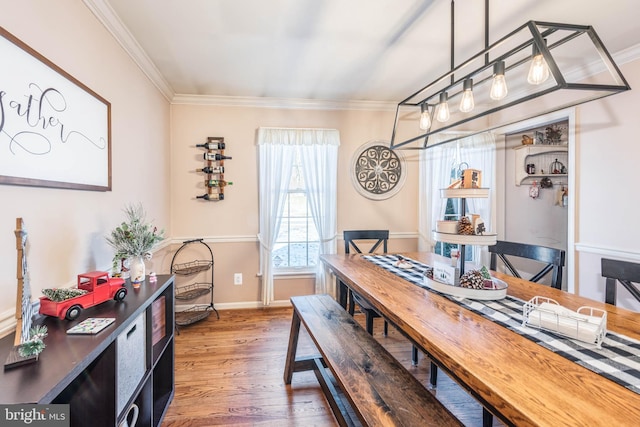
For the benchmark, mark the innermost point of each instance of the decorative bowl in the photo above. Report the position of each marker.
(498, 291)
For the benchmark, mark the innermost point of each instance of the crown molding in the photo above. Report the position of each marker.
(107, 16)
(627, 55)
(282, 103)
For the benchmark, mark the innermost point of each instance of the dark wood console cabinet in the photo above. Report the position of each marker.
(102, 375)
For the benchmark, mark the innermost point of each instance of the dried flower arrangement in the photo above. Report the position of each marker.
(134, 237)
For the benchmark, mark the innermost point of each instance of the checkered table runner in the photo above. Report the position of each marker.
(617, 360)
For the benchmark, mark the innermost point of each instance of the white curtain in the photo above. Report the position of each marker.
(478, 152)
(320, 168)
(319, 152)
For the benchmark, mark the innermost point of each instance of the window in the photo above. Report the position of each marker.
(297, 243)
(298, 171)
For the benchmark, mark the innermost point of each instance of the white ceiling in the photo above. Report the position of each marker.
(329, 50)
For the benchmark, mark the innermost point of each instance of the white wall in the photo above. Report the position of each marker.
(608, 157)
(67, 227)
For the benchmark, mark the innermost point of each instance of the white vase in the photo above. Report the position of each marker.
(124, 268)
(137, 269)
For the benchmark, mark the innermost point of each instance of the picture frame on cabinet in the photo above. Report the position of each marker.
(54, 130)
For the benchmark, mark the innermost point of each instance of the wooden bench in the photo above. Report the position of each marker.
(380, 391)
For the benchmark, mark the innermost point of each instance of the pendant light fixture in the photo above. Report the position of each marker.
(550, 67)
(539, 70)
(442, 109)
(499, 84)
(467, 103)
(425, 117)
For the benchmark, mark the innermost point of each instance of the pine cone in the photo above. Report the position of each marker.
(465, 226)
(472, 279)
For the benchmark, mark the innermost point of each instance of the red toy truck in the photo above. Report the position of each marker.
(100, 288)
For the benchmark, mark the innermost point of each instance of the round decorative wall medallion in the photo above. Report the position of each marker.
(377, 172)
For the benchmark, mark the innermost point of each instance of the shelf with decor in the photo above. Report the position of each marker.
(541, 157)
(189, 292)
(107, 376)
(468, 230)
(447, 231)
(466, 239)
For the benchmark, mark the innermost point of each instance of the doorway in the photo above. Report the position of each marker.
(534, 197)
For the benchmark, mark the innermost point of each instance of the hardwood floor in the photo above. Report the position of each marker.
(229, 372)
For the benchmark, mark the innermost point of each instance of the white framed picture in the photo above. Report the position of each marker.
(54, 131)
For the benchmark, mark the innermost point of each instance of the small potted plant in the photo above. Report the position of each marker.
(134, 240)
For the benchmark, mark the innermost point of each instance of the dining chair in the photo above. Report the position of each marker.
(552, 258)
(364, 237)
(627, 273)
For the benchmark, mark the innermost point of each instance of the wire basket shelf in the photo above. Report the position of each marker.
(192, 267)
(192, 291)
(193, 314)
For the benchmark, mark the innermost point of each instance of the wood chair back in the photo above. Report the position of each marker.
(627, 273)
(552, 257)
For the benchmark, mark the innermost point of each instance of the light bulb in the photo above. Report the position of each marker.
(442, 109)
(539, 70)
(425, 117)
(499, 85)
(466, 103)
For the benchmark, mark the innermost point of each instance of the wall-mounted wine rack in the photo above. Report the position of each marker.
(214, 158)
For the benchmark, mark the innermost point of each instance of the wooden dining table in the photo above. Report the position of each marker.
(515, 378)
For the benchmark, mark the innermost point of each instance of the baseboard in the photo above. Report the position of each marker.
(7, 323)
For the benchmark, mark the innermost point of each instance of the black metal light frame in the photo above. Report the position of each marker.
(516, 56)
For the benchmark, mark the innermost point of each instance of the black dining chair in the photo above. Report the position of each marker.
(552, 258)
(351, 240)
(627, 273)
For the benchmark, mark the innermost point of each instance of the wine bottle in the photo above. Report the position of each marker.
(211, 169)
(214, 196)
(215, 156)
(217, 183)
(212, 145)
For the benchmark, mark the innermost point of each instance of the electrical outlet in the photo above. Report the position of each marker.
(237, 279)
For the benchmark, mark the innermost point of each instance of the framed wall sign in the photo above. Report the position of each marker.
(54, 131)
(377, 172)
